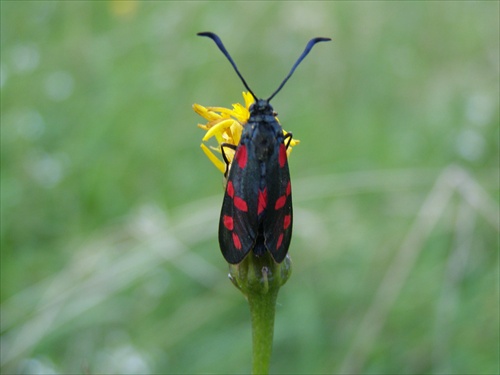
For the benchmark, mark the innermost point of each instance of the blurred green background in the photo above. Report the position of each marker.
(110, 261)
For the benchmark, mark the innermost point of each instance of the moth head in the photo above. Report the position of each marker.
(261, 106)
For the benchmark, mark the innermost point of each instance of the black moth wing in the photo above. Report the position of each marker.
(238, 220)
(278, 216)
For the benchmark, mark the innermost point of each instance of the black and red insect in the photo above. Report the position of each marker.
(257, 207)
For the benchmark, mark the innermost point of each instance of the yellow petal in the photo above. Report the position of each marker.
(236, 130)
(229, 152)
(206, 113)
(225, 111)
(240, 113)
(248, 99)
(218, 129)
(221, 166)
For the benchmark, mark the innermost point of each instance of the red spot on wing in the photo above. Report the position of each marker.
(280, 240)
(262, 201)
(282, 155)
(280, 202)
(287, 221)
(240, 204)
(236, 241)
(288, 188)
(242, 156)
(228, 222)
(230, 189)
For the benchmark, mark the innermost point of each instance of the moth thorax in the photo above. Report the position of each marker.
(264, 145)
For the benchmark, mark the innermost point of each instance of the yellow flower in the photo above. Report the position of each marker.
(226, 126)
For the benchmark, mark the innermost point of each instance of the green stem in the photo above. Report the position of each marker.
(262, 311)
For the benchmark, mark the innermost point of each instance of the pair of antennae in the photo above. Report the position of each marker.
(219, 44)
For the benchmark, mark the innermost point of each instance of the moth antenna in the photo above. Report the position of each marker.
(308, 48)
(219, 44)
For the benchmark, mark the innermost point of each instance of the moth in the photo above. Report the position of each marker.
(257, 213)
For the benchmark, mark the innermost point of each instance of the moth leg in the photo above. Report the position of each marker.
(289, 136)
(226, 160)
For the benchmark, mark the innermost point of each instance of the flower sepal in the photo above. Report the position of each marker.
(257, 275)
